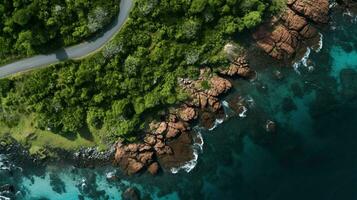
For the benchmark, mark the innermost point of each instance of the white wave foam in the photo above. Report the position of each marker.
(303, 61)
(243, 113)
(225, 104)
(332, 5)
(216, 123)
(190, 165)
(321, 43)
(250, 101)
(348, 13)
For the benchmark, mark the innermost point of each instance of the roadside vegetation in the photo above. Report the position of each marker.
(115, 92)
(29, 27)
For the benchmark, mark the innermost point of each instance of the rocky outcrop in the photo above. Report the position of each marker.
(239, 67)
(138, 157)
(154, 168)
(283, 37)
(168, 143)
(315, 10)
(270, 126)
(205, 97)
(187, 113)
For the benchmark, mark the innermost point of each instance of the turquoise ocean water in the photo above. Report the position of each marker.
(313, 155)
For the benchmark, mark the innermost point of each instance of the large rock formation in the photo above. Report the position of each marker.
(239, 67)
(295, 25)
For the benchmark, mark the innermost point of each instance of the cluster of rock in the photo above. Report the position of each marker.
(92, 156)
(7, 192)
(168, 142)
(135, 158)
(204, 98)
(239, 67)
(295, 25)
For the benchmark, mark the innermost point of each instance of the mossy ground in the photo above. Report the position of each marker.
(36, 140)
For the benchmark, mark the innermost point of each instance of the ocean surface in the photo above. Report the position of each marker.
(312, 154)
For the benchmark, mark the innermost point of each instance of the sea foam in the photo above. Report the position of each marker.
(303, 61)
(197, 148)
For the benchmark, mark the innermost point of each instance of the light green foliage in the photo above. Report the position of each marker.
(135, 75)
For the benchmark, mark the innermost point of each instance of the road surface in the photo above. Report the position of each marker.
(73, 52)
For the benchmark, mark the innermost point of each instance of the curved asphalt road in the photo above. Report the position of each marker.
(73, 52)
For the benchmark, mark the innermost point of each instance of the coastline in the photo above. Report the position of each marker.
(223, 157)
(238, 68)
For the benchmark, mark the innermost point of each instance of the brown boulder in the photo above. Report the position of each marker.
(134, 166)
(150, 139)
(308, 31)
(145, 157)
(162, 128)
(181, 126)
(145, 147)
(316, 10)
(203, 100)
(172, 133)
(119, 154)
(293, 21)
(153, 168)
(133, 147)
(218, 86)
(187, 114)
(159, 144)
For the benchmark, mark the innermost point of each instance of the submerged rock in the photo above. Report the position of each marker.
(131, 193)
(270, 126)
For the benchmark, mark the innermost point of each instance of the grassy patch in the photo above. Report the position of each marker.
(35, 139)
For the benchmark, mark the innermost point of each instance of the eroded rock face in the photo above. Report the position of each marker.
(295, 25)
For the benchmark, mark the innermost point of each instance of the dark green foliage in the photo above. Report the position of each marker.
(28, 27)
(136, 74)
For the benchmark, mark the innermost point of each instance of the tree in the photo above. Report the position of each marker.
(252, 19)
(22, 16)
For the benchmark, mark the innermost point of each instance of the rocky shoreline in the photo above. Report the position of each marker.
(281, 38)
(168, 143)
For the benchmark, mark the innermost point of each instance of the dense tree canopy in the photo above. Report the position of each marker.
(32, 26)
(113, 91)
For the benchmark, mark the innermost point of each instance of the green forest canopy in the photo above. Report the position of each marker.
(29, 27)
(112, 92)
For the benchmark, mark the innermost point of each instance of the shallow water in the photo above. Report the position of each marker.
(313, 155)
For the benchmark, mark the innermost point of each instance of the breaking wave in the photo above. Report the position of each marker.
(197, 148)
(303, 62)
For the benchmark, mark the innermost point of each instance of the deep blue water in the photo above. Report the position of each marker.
(313, 155)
